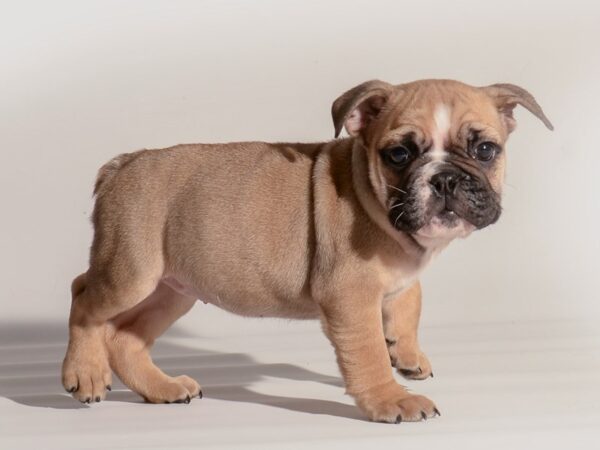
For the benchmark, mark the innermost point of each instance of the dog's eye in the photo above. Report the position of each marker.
(486, 151)
(398, 155)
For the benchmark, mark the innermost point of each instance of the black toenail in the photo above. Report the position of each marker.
(97, 399)
(108, 387)
(87, 400)
(183, 400)
(399, 418)
(423, 415)
(200, 394)
(167, 402)
(71, 390)
(390, 342)
(435, 410)
(431, 375)
(420, 371)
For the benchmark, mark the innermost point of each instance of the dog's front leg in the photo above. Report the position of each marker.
(352, 320)
(400, 323)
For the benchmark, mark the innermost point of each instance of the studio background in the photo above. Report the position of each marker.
(509, 315)
(84, 81)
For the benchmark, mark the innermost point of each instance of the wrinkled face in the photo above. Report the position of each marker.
(443, 165)
(434, 151)
(436, 160)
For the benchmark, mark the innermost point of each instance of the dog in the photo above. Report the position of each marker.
(338, 231)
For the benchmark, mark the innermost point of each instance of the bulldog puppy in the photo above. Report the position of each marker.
(338, 231)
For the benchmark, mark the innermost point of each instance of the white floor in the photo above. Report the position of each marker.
(501, 386)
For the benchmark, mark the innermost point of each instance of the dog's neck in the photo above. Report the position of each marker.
(362, 184)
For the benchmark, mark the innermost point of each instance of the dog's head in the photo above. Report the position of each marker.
(435, 150)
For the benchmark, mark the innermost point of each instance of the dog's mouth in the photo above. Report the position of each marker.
(446, 224)
(425, 213)
(436, 220)
(447, 217)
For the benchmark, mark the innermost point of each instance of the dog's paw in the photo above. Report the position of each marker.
(392, 404)
(191, 385)
(86, 373)
(409, 360)
(181, 389)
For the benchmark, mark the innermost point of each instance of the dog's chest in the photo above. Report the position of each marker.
(398, 286)
(401, 276)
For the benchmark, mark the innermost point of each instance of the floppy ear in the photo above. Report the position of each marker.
(354, 109)
(507, 96)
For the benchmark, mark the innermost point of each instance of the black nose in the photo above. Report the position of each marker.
(444, 183)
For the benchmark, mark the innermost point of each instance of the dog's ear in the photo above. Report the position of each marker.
(507, 96)
(357, 107)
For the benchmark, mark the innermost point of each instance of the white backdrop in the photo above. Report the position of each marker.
(83, 81)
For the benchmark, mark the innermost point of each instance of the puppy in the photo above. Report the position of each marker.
(339, 231)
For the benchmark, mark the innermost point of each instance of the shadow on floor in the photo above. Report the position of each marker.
(31, 355)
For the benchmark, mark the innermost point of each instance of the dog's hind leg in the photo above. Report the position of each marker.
(97, 298)
(129, 338)
(126, 265)
(85, 372)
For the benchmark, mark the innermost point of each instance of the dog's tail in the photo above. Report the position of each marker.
(108, 170)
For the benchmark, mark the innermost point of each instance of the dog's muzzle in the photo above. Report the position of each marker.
(458, 194)
(449, 195)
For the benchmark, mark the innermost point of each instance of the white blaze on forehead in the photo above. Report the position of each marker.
(441, 128)
(439, 133)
